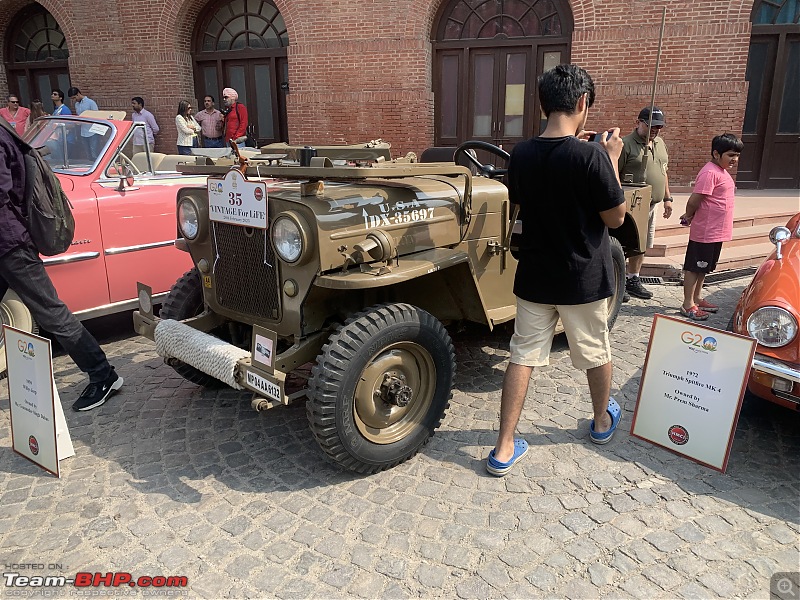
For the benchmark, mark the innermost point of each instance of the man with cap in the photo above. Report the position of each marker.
(235, 117)
(650, 168)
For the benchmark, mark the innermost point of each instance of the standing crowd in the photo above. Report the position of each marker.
(210, 128)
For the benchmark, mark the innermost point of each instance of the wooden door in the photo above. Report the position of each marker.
(781, 167)
(771, 128)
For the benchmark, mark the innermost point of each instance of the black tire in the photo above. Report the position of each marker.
(615, 301)
(14, 313)
(185, 300)
(358, 420)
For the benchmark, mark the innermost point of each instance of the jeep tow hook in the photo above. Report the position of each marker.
(393, 390)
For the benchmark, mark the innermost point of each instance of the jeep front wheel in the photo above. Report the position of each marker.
(380, 387)
(185, 300)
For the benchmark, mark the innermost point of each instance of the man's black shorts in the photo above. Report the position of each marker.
(702, 257)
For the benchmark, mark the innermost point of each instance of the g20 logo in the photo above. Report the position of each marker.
(697, 340)
(26, 348)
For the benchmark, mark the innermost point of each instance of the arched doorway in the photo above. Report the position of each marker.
(36, 56)
(242, 44)
(487, 56)
(771, 129)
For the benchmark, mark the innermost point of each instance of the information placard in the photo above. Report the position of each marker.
(692, 386)
(32, 398)
(235, 200)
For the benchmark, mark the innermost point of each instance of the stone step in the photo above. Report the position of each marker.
(731, 257)
(772, 218)
(675, 245)
(755, 214)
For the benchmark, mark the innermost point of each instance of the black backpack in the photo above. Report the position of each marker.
(50, 221)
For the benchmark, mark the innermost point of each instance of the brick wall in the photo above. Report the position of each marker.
(362, 70)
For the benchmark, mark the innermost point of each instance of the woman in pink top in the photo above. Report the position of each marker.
(16, 115)
(710, 214)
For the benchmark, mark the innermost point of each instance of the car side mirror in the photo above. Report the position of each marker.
(779, 236)
(126, 179)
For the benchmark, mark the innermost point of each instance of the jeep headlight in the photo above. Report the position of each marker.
(188, 219)
(290, 238)
(772, 326)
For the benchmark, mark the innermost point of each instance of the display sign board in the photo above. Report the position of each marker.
(235, 200)
(265, 345)
(691, 391)
(38, 427)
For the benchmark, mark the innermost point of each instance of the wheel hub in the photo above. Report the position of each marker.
(394, 390)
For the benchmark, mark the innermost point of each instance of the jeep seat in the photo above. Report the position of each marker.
(437, 154)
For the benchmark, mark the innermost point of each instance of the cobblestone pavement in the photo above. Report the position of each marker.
(170, 479)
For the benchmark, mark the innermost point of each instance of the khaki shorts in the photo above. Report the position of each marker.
(586, 326)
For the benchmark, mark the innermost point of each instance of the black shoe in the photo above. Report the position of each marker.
(96, 394)
(633, 285)
(626, 297)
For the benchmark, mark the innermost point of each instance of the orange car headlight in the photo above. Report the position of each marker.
(772, 326)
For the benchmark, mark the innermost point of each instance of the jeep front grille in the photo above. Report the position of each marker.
(246, 271)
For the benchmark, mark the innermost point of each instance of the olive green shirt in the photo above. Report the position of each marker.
(630, 162)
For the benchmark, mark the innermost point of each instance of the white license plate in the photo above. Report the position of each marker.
(264, 386)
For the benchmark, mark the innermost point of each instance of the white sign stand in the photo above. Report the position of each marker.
(693, 382)
(64, 447)
(39, 429)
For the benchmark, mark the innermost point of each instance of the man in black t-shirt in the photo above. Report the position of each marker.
(569, 194)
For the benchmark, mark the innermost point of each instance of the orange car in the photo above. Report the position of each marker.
(769, 311)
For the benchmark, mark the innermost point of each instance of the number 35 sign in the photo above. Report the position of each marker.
(235, 200)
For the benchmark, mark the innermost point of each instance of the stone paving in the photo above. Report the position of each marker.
(171, 479)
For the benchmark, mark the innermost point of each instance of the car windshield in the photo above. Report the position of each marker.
(70, 146)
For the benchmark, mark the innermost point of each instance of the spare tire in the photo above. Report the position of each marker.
(15, 314)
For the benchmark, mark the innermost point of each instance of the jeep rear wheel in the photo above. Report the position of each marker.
(185, 300)
(380, 387)
(15, 314)
(615, 301)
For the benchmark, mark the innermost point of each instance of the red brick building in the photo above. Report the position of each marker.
(428, 72)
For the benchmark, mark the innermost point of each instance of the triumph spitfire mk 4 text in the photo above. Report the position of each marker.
(769, 311)
(124, 208)
(353, 266)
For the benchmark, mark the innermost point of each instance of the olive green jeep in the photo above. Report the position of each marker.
(354, 267)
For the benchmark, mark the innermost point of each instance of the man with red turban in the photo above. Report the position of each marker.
(235, 117)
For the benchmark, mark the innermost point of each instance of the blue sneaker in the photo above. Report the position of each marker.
(497, 468)
(616, 416)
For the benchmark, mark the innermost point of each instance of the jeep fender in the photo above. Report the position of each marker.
(440, 281)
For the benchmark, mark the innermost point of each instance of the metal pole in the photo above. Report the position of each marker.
(653, 93)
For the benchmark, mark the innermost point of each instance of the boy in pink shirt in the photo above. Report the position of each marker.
(710, 214)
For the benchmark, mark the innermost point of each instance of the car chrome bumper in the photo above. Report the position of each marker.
(778, 368)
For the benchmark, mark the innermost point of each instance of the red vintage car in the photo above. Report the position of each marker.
(769, 311)
(125, 227)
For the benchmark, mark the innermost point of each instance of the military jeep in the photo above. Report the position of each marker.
(354, 267)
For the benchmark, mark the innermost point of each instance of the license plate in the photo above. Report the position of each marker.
(264, 386)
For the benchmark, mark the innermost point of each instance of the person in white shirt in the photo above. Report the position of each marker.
(187, 127)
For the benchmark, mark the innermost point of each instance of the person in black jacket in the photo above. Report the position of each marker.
(22, 271)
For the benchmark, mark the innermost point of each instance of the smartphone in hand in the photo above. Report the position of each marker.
(598, 137)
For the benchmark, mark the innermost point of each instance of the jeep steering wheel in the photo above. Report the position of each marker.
(486, 170)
